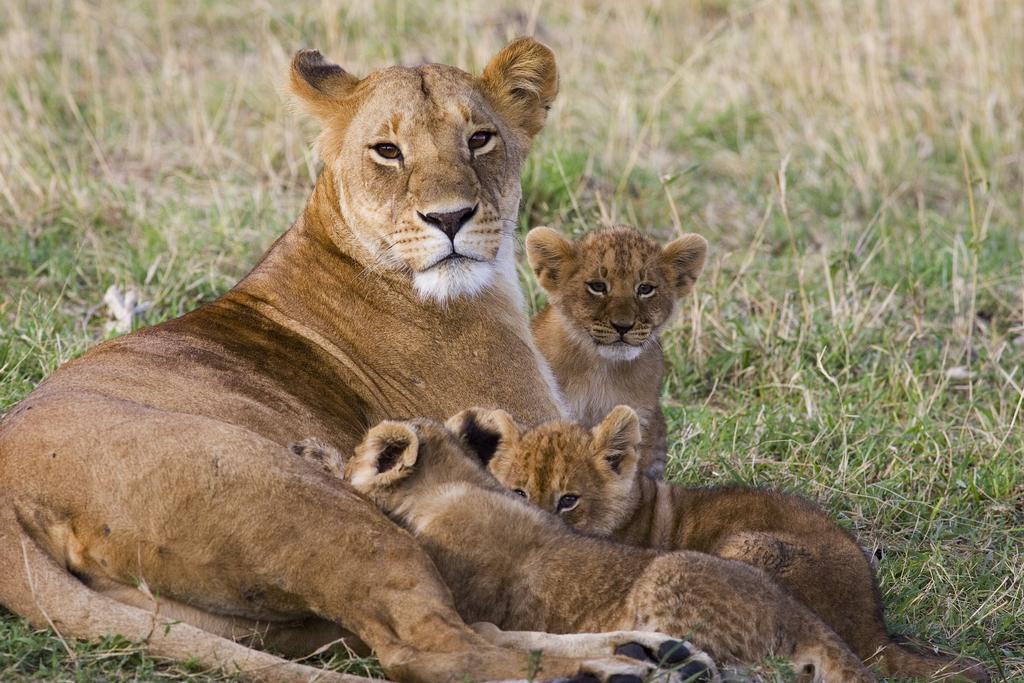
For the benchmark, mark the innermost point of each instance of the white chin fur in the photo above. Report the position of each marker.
(453, 279)
(619, 352)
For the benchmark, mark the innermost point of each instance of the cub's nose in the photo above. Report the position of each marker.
(449, 222)
(622, 328)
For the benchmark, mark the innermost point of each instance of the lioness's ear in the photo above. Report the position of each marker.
(317, 84)
(483, 431)
(684, 259)
(616, 440)
(521, 81)
(385, 456)
(548, 254)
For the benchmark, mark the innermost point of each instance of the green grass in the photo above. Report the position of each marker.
(858, 335)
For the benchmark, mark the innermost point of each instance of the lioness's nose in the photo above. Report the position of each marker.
(450, 222)
(622, 328)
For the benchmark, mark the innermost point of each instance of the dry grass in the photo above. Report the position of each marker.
(857, 166)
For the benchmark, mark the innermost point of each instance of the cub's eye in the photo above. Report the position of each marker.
(597, 287)
(387, 150)
(645, 289)
(480, 138)
(568, 502)
(519, 492)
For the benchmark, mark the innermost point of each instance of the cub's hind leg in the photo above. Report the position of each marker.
(829, 573)
(833, 580)
(737, 614)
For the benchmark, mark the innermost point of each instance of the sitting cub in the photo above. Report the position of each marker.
(566, 469)
(609, 295)
(509, 564)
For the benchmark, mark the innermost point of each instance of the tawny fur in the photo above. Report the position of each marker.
(543, 576)
(787, 537)
(160, 458)
(595, 366)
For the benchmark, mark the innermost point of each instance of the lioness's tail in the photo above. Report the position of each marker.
(901, 662)
(34, 586)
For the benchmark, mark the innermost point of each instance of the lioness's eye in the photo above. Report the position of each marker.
(567, 502)
(520, 492)
(597, 287)
(479, 139)
(387, 150)
(645, 289)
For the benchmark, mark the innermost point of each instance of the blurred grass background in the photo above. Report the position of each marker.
(858, 168)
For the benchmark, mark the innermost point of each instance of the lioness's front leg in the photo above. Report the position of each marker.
(295, 638)
(267, 536)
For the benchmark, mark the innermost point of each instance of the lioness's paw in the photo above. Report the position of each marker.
(674, 658)
(635, 651)
(621, 670)
(695, 672)
(679, 657)
(670, 652)
(645, 670)
(626, 671)
(613, 657)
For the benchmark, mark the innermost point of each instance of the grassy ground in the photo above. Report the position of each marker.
(857, 167)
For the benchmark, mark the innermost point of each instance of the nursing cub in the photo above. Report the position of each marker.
(510, 564)
(567, 470)
(609, 295)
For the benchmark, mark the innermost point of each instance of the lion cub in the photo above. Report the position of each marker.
(609, 295)
(513, 565)
(567, 470)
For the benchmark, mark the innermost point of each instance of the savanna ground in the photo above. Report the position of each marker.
(858, 168)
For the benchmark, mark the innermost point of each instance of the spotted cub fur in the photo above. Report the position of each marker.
(570, 471)
(494, 551)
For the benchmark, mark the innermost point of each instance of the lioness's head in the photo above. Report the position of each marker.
(585, 476)
(615, 288)
(426, 160)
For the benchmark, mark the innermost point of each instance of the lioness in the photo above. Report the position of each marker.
(568, 471)
(159, 459)
(543, 576)
(610, 294)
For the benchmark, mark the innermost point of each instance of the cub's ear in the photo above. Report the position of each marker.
(684, 259)
(521, 81)
(483, 431)
(616, 440)
(320, 453)
(548, 253)
(317, 84)
(385, 456)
